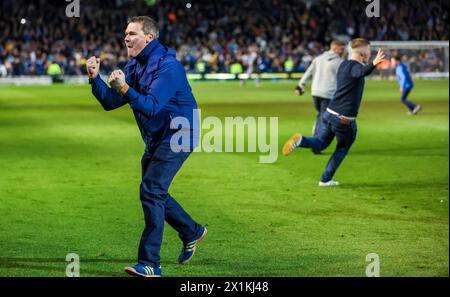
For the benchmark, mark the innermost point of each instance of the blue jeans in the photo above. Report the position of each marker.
(158, 170)
(320, 104)
(331, 127)
(404, 99)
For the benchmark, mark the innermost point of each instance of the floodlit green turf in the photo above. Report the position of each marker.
(69, 179)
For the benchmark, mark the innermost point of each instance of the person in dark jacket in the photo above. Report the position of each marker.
(339, 120)
(155, 86)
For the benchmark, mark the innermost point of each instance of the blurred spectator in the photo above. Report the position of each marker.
(55, 72)
(384, 69)
(236, 68)
(3, 71)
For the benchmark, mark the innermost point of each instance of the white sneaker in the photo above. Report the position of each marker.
(417, 109)
(330, 183)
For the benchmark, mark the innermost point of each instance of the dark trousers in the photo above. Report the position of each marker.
(158, 170)
(320, 104)
(331, 127)
(404, 99)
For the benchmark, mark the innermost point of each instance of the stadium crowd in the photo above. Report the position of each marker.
(37, 37)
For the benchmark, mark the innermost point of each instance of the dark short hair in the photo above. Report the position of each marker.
(358, 42)
(397, 57)
(149, 25)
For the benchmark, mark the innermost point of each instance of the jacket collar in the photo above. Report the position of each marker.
(332, 54)
(148, 51)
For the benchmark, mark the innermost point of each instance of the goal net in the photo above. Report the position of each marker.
(425, 59)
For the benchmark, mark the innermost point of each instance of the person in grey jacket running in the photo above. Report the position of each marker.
(323, 70)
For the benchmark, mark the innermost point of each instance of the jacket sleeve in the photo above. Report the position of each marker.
(308, 74)
(163, 87)
(359, 70)
(108, 98)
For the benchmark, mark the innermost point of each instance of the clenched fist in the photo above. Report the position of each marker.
(93, 66)
(117, 80)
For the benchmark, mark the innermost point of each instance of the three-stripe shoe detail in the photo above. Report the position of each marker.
(190, 246)
(144, 270)
(149, 270)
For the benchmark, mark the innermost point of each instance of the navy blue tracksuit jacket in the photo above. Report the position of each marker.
(159, 91)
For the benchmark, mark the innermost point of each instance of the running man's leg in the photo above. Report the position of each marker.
(318, 143)
(321, 105)
(248, 75)
(345, 136)
(404, 99)
(317, 105)
(323, 139)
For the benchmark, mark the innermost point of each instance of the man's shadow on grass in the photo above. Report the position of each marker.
(393, 186)
(395, 151)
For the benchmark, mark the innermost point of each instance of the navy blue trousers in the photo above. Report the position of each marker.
(320, 104)
(404, 99)
(330, 128)
(158, 170)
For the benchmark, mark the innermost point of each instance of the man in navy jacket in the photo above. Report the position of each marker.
(155, 86)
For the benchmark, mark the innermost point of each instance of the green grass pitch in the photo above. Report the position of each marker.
(70, 173)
